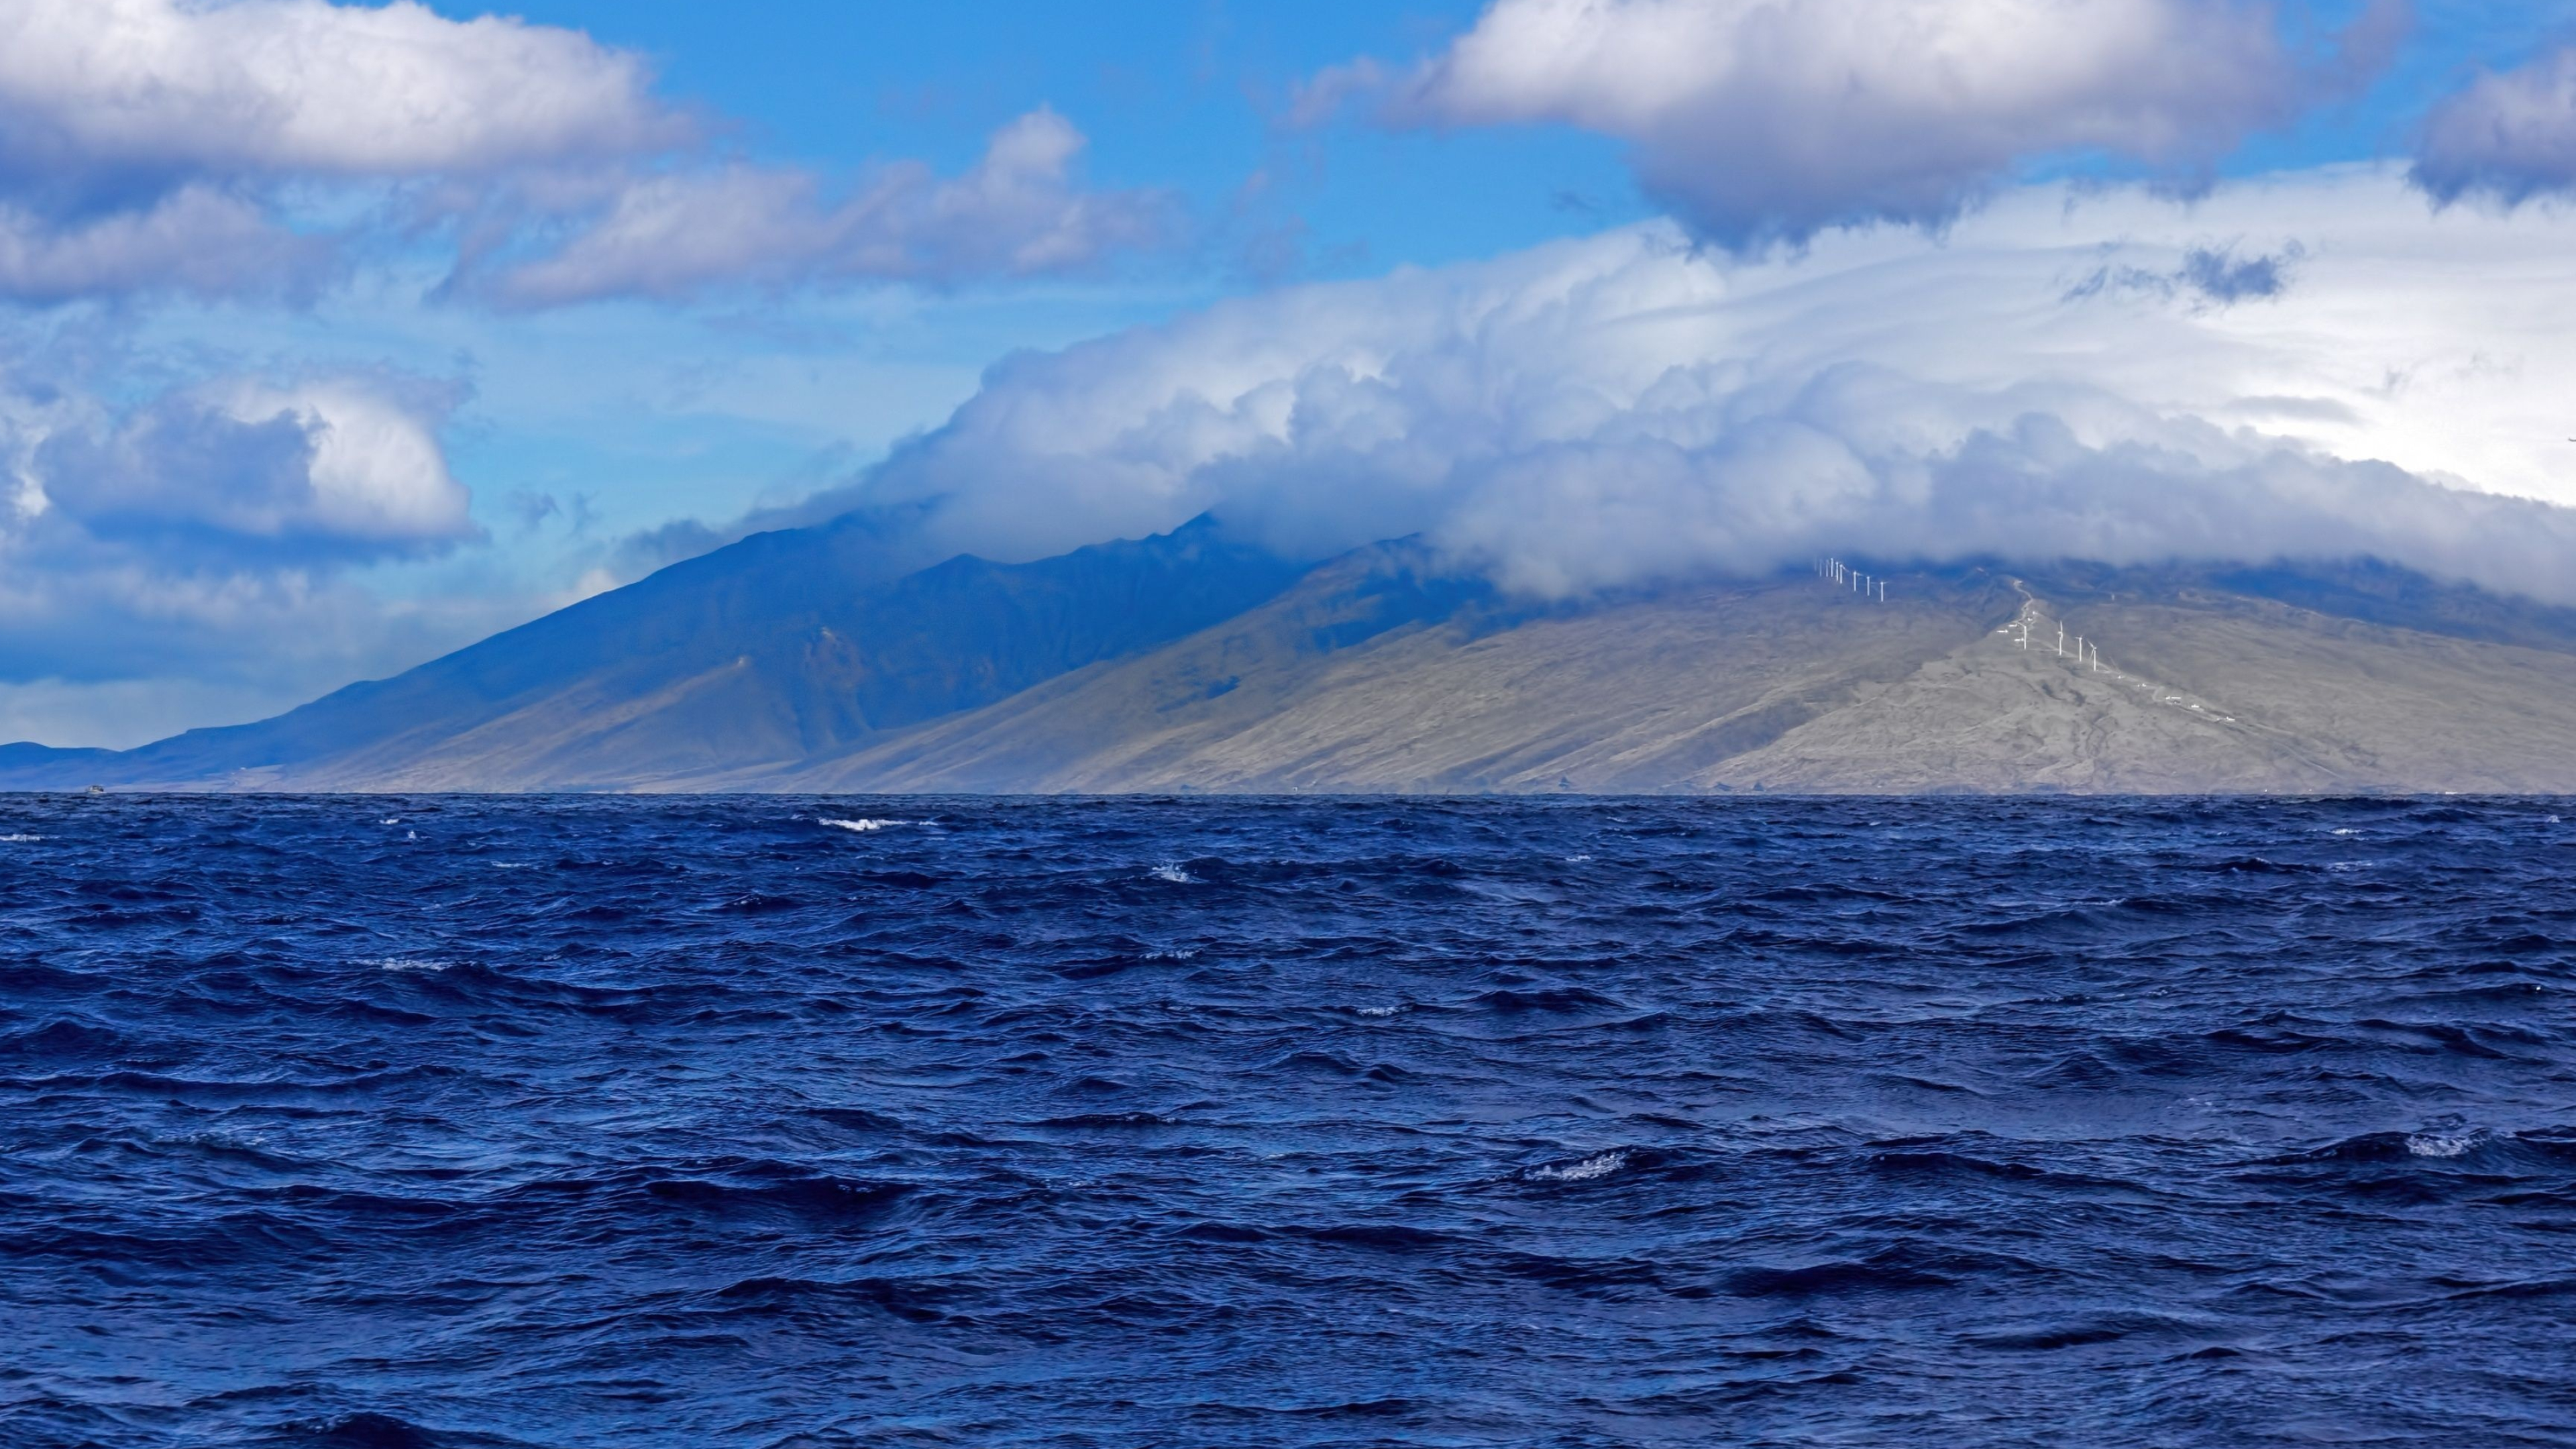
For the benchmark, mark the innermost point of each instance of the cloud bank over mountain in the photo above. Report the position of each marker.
(1765, 121)
(2310, 368)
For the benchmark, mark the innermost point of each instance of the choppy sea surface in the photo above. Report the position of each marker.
(838, 1122)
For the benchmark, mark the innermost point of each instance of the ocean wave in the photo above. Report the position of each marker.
(409, 963)
(1980, 1117)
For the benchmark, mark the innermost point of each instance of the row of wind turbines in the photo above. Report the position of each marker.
(2088, 656)
(1832, 571)
(2086, 653)
(2081, 655)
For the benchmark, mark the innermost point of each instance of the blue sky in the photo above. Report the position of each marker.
(1184, 96)
(438, 375)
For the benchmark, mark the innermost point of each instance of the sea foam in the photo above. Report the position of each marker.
(1598, 1165)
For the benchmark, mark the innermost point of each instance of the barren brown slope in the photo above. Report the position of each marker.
(2378, 707)
(1349, 683)
(1343, 685)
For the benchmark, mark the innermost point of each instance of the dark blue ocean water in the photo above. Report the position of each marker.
(376, 1122)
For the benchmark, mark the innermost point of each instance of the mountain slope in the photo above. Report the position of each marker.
(768, 651)
(2206, 692)
(1373, 674)
(806, 660)
(1782, 686)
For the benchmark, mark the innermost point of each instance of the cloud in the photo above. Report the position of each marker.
(202, 553)
(105, 89)
(2041, 474)
(182, 146)
(1019, 211)
(184, 506)
(2209, 275)
(2218, 274)
(195, 240)
(323, 472)
(1632, 408)
(1768, 121)
(155, 145)
(2508, 136)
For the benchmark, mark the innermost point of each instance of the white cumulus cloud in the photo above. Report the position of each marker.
(1767, 120)
(195, 554)
(235, 476)
(2312, 367)
(189, 146)
(300, 87)
(147, 145)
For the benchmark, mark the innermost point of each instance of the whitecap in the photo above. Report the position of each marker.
(2346, 830)
(860, 826)
(396, 820)
(408, 963)
(2438, 1144)
(1599, 1165)
(1383, 1010)
(1177, 953)
(19, 839)
(513, 865)
(1174, 874)
(1577, 859)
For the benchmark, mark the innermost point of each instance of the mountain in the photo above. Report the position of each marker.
(1367, 677)
(762, 653)
(808, 660)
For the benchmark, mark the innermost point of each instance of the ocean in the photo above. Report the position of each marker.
(374, 1121)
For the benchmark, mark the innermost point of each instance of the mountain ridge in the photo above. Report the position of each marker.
(809, 660)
